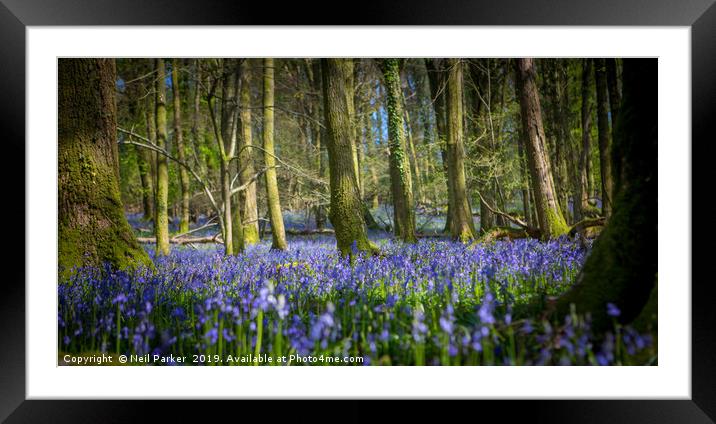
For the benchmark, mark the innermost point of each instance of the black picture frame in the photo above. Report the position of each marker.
(15, 15)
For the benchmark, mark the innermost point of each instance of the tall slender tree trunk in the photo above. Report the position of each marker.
(605, 156)
(181, 150)
(196, 122)
(436, 78)
(462, 226)
(585, 160)
(486, 186)
(227, 142)
(161, 222)
(346, 213)
(558, 133)
(314, 70)
(415, 164)
(92, 228)
(622, 266)
(614, 96)
(400, 175)
(524, 173)
(278, 232)
(549, 214)
(146, 163)
(247, 198)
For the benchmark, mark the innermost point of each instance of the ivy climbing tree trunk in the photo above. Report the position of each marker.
(346, 213)
(92, 228)
(274, 204)
(181, 150)
(247, 198)
(622, 266)
(549, 214)
(400, 175)
(605, 158)
(462, 226)
(161, 222)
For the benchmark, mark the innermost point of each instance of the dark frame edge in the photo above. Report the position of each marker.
(703, 105)
(702, 407)
(12, 124)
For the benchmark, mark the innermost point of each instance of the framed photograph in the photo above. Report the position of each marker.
(462, 202)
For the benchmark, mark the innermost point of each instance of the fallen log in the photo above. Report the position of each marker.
(583, 226)
(185, 240)
(509, 233)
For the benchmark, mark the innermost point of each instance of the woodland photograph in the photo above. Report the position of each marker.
(357, 211)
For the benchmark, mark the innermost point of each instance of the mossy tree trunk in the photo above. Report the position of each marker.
(399, 163)
(181, 149)
(92, 228)
(549, 214)
(161, 222)
(622, 266)
(346, 213)
(605, 159)
(462, 226)
(274, 203)
(247, 198)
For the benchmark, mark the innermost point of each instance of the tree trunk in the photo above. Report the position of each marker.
(605, 159)
(622, 265)
(586, 154)
(92, 228)
(318, 132)
(229, 133)
(436, 78)
(278, 232)
(181, 152)
(549, 214)
(414, 163)
(527, 208)
(486, 183)
(346, 211)
(247, 198)
(161, 222)
(461, 217)
(400, 175)
(614, 96)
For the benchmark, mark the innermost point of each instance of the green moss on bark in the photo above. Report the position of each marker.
(92, 228)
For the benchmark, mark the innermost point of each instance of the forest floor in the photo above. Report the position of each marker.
(436, 302)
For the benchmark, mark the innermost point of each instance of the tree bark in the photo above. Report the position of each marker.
(622, 266)
(462, 226)
(549, 214)
(605, 159)
(278, 232)
(161, 222)
(247, 198)
(585, 161)
(92, 228)
(436, 78)
(346, 213)
(400, 175)
(181, 150)
(614, 96)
